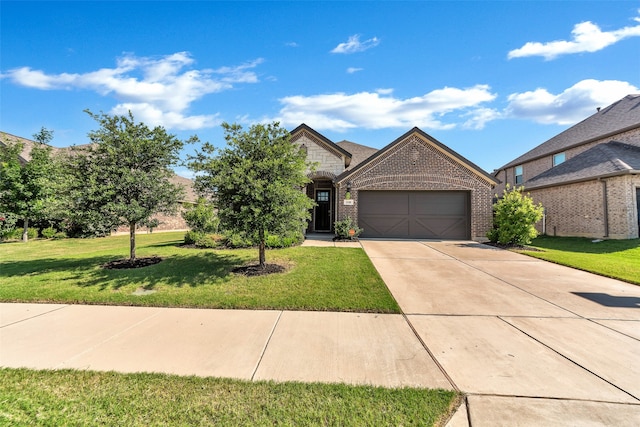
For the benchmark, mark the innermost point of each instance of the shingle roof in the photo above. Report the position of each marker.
(610, 159)
(617, 117)
(359, 153)
(7, 138)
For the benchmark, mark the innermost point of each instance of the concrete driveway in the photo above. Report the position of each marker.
(530, 342)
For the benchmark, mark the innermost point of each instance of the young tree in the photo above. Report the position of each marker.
(514, 218)
(255, 182)
(29, 190)
(122, 177)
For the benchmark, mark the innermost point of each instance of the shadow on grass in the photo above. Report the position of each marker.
(178, 270)
(585, 245)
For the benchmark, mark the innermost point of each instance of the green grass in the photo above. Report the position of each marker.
(619, 259)
(66, 397)
(69, 271)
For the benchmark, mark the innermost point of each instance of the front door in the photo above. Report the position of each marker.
(322, 218)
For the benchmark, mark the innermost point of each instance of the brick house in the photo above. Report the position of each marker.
(167, 222)
(587, 177)
(415, 187)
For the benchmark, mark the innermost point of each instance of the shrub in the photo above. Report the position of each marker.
(238, 240)
(201, 217)
(343, 229)
(191, 237)
(60, 235)
(514, 217)
(7, 225)
(209, 241)
(48, 232)
(273, 241)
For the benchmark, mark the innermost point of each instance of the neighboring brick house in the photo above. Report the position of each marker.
(415, 187)
(167, 222)
(587, 177)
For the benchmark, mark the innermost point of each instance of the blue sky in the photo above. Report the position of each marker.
(490, 80)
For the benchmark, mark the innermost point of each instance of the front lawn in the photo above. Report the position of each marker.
(106, 398)
(69, 271)
(619, 259)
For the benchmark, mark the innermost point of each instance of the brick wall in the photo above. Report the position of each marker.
(415, 164)
(579, 209)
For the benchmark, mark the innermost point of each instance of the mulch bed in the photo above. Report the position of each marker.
(256, 270)
(120, 264)
(519, 247)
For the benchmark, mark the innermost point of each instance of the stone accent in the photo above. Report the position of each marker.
(417, 164)
(326, 159)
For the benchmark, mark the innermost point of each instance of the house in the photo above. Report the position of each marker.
(166, 222)
(415, 187)
(587, 177)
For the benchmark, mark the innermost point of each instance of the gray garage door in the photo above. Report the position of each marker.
(414, 214)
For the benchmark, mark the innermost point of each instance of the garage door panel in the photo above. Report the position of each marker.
(444, 228)
(394, 204)
(385, 226)
(414, 214)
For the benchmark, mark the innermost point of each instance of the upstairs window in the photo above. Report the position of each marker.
(517, 172)
(558, 158)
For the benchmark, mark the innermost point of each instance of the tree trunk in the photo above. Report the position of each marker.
(132, 241)
(25, 231)
(261, 249)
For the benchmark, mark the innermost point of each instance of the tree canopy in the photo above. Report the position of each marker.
(123, 176)
(255, 182)
(29, 190)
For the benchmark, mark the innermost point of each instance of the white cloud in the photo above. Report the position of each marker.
(378, 110)
(158, 89)
(354, 45)
(569, 107)
(352, 70)
(587, 37)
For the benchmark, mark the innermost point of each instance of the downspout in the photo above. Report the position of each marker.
(605, 205)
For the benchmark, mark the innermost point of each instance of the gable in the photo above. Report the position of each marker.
(328, 156)
(418, 153)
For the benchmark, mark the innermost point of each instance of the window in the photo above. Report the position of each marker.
(517, 171)
(558, 158)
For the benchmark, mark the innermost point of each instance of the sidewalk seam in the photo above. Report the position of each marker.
(37, 315)
(266, 344)
(110, 338)
(568, 358)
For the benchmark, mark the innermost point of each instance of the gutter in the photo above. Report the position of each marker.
(592, 178)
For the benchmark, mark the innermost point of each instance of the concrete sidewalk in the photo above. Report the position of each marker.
(529, 342)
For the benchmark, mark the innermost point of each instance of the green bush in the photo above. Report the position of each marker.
(514, 218)
(16, 234)
(48, 232)
(201, 217)
(191, 237)
(7, 225)
(274, 241)
(237, 240)
(60, 235)
(344, 227)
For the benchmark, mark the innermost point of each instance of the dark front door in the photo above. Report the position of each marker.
(323, 211)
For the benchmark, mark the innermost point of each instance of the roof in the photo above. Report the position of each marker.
(332, 146)
(359, 153)
(610, 159)
(7, 138)
(440, 146)
(618, 117)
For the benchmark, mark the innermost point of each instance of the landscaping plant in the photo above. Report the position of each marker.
(514, 218)
(255, 183)
(347, 229)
